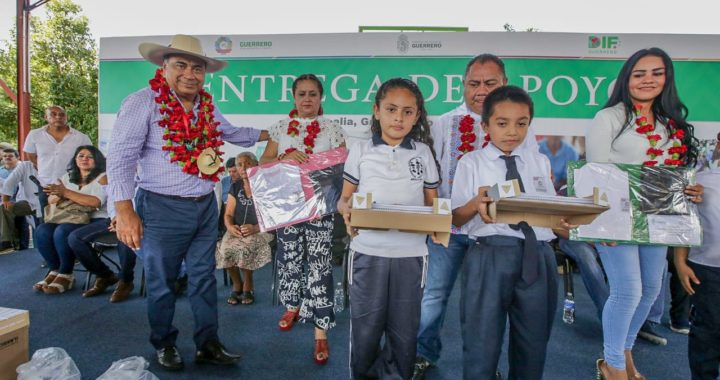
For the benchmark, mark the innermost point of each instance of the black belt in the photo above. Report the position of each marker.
(179, 198)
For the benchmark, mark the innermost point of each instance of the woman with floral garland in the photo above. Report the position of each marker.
(643, 122)
(306, 293)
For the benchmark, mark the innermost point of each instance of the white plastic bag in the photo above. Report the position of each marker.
(132, 368)
(51, 363)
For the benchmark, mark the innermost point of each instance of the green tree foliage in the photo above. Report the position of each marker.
(63, 70)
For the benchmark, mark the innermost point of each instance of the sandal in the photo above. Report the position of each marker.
(289, 318)
(322, 351)
(49, 278)
(248, 297)
(234, 298)
(61, 283)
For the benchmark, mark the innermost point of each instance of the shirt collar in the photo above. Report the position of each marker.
(406, 143)
(493, 153)
(196, 101)
(464, 110)
(71, 130)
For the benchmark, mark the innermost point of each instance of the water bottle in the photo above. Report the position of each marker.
(339, 297)
(569, 309)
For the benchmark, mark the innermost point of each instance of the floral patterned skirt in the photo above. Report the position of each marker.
(251, 252)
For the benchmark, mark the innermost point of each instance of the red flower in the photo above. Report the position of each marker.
(293, 113)
(652, 152)
(309, 141)
(654, 137)
(468, 138)
(642, 120)
(679, 134)
(645, 129)
(465, 147)
(650, 163)
(486, 140)
(637, 107)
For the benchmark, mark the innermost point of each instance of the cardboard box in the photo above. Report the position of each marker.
(512, 207)
(364, 216)
(14, 349)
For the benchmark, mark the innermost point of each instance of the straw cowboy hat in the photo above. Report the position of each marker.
(180, 44)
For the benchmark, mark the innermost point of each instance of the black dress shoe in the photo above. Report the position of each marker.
(169, 358)
(214, 353)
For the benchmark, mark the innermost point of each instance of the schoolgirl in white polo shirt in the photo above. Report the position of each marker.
(388, 267)
(510, 270)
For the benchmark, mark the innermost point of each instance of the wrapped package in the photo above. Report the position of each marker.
(132, 368)
(52, 363)
(287, 193)
(647, 204)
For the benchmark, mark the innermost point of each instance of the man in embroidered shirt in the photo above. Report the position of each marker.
(176, 216)
(51, 147)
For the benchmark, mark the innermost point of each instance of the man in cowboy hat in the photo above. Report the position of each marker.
(167, 133)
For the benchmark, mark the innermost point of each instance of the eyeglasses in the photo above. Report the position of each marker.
(88, 156)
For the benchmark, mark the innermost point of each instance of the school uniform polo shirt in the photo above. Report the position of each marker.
(394, 175)
(709, 209)
(485, 168)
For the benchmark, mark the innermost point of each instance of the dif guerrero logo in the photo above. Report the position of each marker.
(223, 45)
(603, 44)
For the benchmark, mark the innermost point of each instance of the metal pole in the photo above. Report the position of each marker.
(23, 72)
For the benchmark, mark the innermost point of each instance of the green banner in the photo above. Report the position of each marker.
(561, 88)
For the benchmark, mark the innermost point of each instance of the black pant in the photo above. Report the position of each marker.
(679, 298)
(385, 297)
(81, 244)
(704, 341)
(493, 291)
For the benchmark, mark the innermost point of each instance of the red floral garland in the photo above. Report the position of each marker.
(184, 138)
(468, 137)
(677, 150)
(311, 132)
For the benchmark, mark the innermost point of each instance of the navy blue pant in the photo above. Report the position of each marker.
(52, 241)
(704, 340)
(492, 291)
(81, 243)
(385, 297)
(177, 230)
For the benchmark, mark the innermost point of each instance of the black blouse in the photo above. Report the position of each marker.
(244, 207)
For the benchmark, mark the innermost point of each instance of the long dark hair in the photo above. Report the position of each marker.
(421, 130)
(667, 106)
(74, 170)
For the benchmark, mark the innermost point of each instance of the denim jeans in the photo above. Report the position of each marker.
(635, 276)
(443, 268)
(176, 231)
(52, 241)
(591, 272)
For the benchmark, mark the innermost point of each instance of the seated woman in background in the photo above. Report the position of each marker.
(243, 246)
(83, 184)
